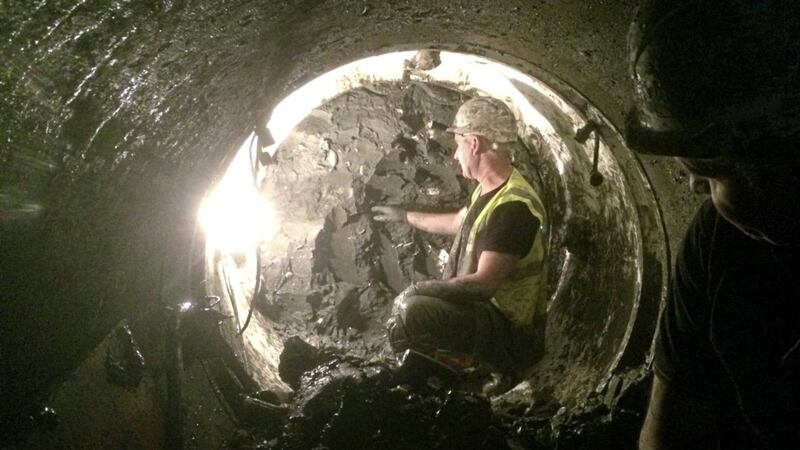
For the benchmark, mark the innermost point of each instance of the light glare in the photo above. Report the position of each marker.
(234, 217)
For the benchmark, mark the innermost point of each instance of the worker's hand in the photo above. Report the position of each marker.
(389, 214)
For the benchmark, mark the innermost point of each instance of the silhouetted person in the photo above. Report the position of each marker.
(717, 85)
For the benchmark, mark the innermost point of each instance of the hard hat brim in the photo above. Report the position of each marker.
(457, 130)
(712, 141)
(465, 130)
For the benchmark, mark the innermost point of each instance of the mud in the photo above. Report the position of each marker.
(347, 402)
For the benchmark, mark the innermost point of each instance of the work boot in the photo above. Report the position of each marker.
(483, 379)
(499, 384)
(454, 360)
(418, 369)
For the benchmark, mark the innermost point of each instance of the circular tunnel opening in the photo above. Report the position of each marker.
(289, 235)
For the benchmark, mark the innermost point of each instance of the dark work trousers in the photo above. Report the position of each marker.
(475, 328)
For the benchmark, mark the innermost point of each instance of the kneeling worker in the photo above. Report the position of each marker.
(490, 305)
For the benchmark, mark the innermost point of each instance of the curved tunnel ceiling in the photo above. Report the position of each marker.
(118, 115)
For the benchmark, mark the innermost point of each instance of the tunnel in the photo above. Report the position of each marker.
(132, 129)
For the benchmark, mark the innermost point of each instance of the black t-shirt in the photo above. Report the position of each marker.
(510, 229)
(730, 332)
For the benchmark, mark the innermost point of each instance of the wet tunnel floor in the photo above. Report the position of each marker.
(346, 403)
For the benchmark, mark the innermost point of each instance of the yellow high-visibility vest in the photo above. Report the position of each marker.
(521, 296)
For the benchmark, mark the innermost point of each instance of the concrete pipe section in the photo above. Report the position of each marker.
(292, 220)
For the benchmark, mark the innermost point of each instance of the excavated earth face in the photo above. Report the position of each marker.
(367, 147)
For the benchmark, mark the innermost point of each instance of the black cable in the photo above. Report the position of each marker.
(218, 395)
(255, 291)
(254, 172)
(231, 295)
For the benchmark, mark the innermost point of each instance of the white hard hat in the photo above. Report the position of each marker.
(487, 117)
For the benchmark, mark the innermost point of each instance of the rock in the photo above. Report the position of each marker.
(348, 311)
(424, 60)
(349, 403)
(296, 358)
(390, 262)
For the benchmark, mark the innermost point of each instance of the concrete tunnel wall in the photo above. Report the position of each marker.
(607, 253)
(118, 115)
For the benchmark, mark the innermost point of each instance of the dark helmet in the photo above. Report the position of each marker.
(716, 78)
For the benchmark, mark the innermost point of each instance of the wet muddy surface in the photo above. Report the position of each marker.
(347, 402)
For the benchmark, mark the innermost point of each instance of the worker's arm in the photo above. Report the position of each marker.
(433, 222)
(689, 377)
(676, 420)
(493, 268)
(437, 223)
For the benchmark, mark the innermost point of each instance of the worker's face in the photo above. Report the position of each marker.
(759, 200)
(466, 146)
